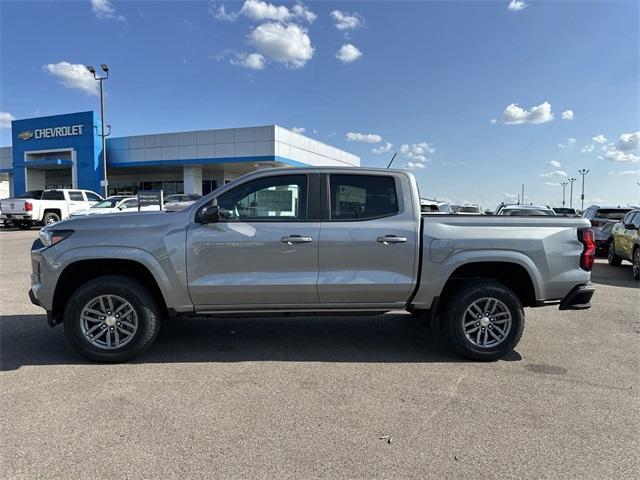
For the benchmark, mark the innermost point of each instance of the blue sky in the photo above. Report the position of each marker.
(476, 97)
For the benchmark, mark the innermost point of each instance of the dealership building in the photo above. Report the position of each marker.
(65, 151)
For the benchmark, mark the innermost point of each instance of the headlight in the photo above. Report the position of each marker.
(49, 236)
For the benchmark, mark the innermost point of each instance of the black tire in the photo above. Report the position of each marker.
(24, 225)
(50, 218)
(144, 304)
(613, 259)
(636, 263)
(454, 315)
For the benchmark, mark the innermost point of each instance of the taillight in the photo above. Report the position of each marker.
(28, 206)
(586, 238)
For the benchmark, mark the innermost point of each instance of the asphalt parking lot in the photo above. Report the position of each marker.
(317, 397)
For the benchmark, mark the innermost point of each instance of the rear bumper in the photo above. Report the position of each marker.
(579, 298)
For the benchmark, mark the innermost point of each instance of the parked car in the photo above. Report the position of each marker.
(526, 210)
(44, 207)
(434, 206)
(174, 203)
(469, 209)
(302, 240)
(566, 211)
(625, 242)
(114, 204)
(602, 219)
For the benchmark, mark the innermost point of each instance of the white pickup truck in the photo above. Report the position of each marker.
(45, 207)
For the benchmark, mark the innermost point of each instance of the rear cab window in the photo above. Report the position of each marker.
(362, 197)
(612, 213)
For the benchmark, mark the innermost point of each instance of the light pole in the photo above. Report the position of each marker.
(104, 135)
(564, 185)
(583, 172)
(571, 180)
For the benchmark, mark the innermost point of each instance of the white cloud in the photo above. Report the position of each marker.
(625, 150)
(551, 184)
(555, 173)
(220, 13)
(5, 119)
(386, 148)
(346, 21)
(348, 53)
(555, 164)
(258, 10)
(299, 129)
(567, 115)
(301, 11)
(287, 44)
(590, 147)
(363, 137)
(414, 165)
(571, 142)
(626, 172)
(253, 61)
(103, 9)
(261, 11)
(600, 139)
(515, 114)
(517, 5)
(493, 121)
(417, 152)
(73, 75)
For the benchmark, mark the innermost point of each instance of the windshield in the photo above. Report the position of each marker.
(612, 213)
(468, 210)
(108, 203)
(35, 194)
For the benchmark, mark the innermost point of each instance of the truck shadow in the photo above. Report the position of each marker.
(392, 338)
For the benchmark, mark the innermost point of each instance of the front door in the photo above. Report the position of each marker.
(264, 252)
(369, 245)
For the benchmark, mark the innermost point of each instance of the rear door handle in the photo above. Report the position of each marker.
(387, 239)
(293, 239)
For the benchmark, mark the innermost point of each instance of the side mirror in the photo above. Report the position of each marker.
(208, 214)
(629, 226)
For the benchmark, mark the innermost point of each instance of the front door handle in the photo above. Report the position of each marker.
(293, 239)
(387, 239)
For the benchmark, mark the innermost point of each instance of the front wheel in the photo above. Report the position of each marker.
(111, 319)
(613, 259)
(636, 263)
(483, 320)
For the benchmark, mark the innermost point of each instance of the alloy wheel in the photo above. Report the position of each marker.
(108, 322)
(487, 322)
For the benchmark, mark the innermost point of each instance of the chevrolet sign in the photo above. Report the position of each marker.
(53, 132)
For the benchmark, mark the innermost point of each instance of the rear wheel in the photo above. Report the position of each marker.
(483, 320)
(613, 259)
(50, 218)
(111, 319)
(636, 263)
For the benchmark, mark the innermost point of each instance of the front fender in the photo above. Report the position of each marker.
(172, 287)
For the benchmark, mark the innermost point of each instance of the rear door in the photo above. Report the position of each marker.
(77, 201)
(369, 244)
(264, 254)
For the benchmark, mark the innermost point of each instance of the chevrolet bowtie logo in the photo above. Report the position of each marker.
(25, 135)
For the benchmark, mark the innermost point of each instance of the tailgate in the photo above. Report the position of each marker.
(10, 206)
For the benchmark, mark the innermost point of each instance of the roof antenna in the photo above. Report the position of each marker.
(392, 159)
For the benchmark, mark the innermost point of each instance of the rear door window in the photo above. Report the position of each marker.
(53, 195)
(76, 196)
(92, 197)
(362, 197)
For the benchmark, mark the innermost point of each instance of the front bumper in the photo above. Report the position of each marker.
(579, 298)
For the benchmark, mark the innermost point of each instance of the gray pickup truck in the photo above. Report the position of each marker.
(308, 241)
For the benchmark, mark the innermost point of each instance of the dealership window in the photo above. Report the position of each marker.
(359, 197)
(275, 198)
